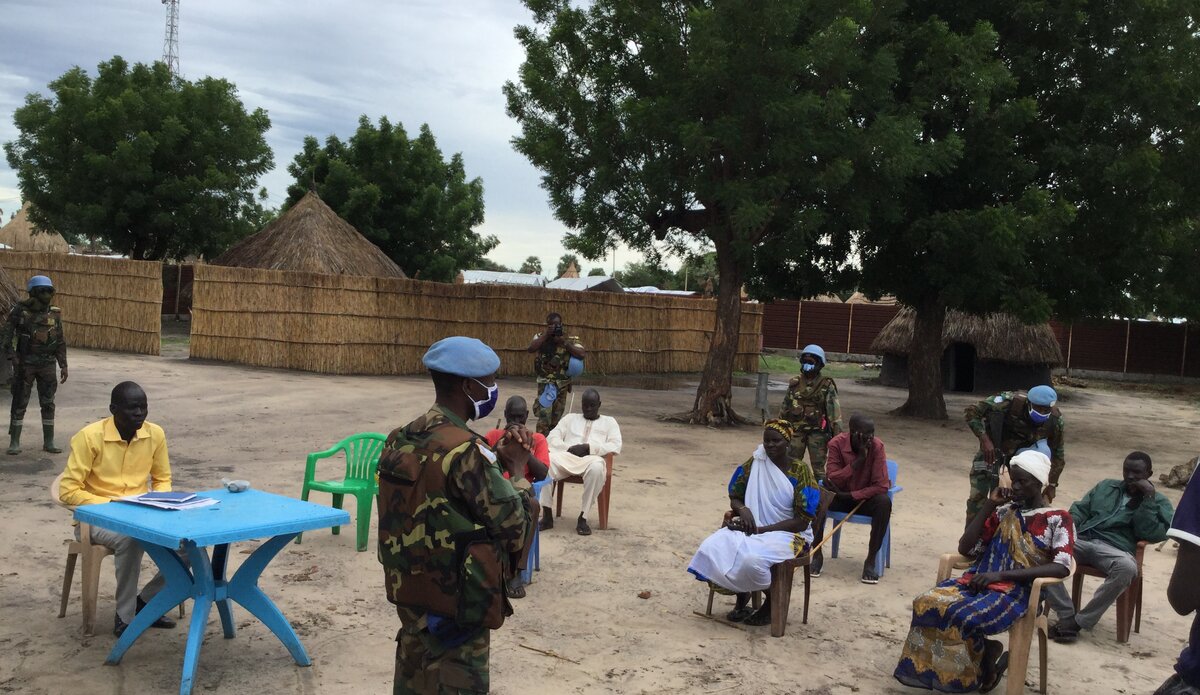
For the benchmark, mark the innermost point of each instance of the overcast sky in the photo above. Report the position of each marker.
(315, 67)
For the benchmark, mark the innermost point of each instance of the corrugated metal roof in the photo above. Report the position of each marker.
(493, 277)
(650, 289)
(598, 283)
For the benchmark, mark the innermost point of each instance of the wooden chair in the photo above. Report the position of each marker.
(1020, 635)
(1129, 603)
(605, 494)
(93, 557)
(780, 591)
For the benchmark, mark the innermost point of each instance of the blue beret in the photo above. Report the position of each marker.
(462, 356)
(1042, 395)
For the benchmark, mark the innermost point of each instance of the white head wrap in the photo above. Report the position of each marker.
(1034, 463)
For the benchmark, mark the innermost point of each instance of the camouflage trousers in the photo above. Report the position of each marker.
(46, 376)
(816, 444)
(547, 418)
(982, 483)
(425, 666)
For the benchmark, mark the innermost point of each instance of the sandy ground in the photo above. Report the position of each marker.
(228, 421)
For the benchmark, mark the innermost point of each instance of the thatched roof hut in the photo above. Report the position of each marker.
(991, 353)
(20, 235)
(310, 237)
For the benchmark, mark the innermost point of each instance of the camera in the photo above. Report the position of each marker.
(557, 332)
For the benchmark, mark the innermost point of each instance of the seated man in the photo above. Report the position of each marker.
(856, 470)
(578, 446)
(113, 458)
(516, 412)
(1109, 521)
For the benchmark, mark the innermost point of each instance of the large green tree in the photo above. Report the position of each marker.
(153, 165)
(732, 124)
(1073, 133)
(532, 264)
(400, 193)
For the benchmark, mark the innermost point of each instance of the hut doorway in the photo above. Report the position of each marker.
(962, 367)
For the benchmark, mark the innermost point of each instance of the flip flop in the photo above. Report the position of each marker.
(517, 591)
(737, 615)
(997, 674)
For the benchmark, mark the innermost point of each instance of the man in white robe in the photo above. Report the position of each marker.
(578, 445)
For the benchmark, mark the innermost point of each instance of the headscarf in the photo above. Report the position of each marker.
(782, 427)
(1034, 463)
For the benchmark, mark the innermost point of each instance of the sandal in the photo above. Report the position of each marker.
(762, 616)
(737, 615)
(997, 673)
(515, 589)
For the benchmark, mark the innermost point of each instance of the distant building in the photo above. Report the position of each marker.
(495, 277)
(591, 283)
(650, 289)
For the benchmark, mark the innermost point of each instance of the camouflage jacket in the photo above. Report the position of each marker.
(34, 335)
(449, 522)
(812, 406)
(1018, 430)
(551, 366)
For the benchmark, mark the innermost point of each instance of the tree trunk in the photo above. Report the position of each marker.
(714, 397)
(925, 364)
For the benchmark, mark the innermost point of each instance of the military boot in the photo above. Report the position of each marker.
(14, 439)
(48, 438)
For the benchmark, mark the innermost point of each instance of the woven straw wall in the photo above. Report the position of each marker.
(107, 303)
(342, 324)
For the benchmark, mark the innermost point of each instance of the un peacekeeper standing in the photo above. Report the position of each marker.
(450, 526)
(1007, 423)
(553, 352)
(36, 327)
(811, 405)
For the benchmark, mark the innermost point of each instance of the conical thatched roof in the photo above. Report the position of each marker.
(18, 234)
(310, 237)
(998, 337)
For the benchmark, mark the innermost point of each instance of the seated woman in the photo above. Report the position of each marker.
(774, 498)
(947, 648)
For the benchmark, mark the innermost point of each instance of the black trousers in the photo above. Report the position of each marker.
(879, 508)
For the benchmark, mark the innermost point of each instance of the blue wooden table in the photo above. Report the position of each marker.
(237, 517)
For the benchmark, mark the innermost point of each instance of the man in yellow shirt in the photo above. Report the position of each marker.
(113, 458)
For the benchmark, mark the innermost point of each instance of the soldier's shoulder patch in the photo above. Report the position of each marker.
(998, 399)
(486, 451)
(55, 310)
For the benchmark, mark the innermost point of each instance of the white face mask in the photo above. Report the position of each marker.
(484, 407)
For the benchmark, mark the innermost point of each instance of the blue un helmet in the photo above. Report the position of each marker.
(574, 367)
(815, 351)
(38, 281)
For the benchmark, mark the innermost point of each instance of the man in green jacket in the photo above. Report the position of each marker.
(1109, 521)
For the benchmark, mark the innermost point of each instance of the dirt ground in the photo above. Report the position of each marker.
(668, 493)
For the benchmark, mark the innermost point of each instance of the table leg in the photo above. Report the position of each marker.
(243, 588)
(204, 590)
(178, 587)
(219, 560)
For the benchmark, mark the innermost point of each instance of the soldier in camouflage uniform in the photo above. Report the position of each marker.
(33, 341)
(553, 352)
(1005, 424)
(451, 527)
(811, 405)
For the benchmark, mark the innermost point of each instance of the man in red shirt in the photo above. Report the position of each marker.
(516, 412)
(856, 470)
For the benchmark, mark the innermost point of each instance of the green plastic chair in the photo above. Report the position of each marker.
(362, 456)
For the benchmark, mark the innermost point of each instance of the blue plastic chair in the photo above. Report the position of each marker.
(534, 561)
(884, 557)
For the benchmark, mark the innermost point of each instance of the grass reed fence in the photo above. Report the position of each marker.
(341, 324)
(107, 303)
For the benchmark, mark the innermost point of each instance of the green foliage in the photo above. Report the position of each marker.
(596, 271)
(533, 264)
(400, 193)
(155, 166)
(486, 263)
(642, 274)
(567, 260)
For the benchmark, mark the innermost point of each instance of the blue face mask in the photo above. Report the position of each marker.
(486, 406)
(808, 367)
(1037, 418)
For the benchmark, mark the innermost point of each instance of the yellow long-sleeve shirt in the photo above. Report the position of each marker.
(102, 466)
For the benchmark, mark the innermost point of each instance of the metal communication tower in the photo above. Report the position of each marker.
(171, 37)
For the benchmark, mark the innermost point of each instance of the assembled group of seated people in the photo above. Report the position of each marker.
(575, 447)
